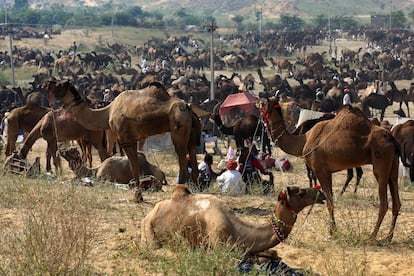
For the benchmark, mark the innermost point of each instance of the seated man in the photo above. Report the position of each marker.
(206, 173)
(249, 166)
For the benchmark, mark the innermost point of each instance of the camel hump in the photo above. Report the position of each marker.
(179, 192)
(158, 91)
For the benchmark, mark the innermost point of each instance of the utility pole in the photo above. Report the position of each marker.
(211, 28)
(13, 80)
(112, 19)
(259, 17)
(390, 14)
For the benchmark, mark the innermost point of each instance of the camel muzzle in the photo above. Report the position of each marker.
(319, 197)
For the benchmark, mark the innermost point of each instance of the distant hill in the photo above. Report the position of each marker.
(270, 8)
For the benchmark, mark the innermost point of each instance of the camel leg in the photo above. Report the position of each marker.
(396, 202)
(325, 179)
(11, 143)
(383, 205)
(408, 109)
(359, 173)
(311, 176)
(131, 151)
(48, 158)
(350, 175)
(52, 149)
(147, 231)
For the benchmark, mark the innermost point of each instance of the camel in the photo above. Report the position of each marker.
(269, 82)
(306, 126)
(404, 134)
(61, 124)
(135, 115)
(375, 101)
(246, 128)
(397, 95)
(346, 141)
(22, 118)
(284, 64)
(351, 55)
(205, 221)
(114, 169)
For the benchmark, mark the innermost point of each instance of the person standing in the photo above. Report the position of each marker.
(347, 97)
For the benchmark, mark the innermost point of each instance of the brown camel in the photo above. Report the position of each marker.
(135, 115)
(306, 126)
(206, 221)
(243, 129)
(62, 124)
(346, 141)
(404, 134)
(113, 169)
(22, 118)
(284, 64)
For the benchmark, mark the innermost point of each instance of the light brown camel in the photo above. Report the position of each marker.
(113, 169)
(284, 64)
(62, 124)
(22, 118)
(135, 115)
(348, 140)
(204, 220)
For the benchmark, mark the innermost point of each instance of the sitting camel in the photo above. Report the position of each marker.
(206, 221)
(113, 169)
(63, 125)
(346, 141)
(135, 115)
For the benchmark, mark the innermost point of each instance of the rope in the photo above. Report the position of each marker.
(57, 153)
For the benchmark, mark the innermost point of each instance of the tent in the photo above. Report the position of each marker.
(236, 106)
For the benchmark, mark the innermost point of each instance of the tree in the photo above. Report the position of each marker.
(20, 5)
(320, 21)
(238, 19)
(291, 22)
(411, 15)
(398, 19)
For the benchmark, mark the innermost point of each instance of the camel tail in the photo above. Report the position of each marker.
(400, 152)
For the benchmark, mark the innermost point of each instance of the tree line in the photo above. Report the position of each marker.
(122, 15)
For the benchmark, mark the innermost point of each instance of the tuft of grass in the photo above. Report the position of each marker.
(56, 231)
(185, 260)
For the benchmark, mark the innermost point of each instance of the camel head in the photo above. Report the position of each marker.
(296, 198)
(60, 90)
(73, 157)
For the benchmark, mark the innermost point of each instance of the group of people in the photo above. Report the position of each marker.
(239, 177)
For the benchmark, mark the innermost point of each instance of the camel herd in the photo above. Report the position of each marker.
(158, 100)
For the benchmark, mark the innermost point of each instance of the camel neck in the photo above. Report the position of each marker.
(289, 143)
(93, 119)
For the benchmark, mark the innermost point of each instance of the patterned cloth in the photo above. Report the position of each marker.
(290, 113)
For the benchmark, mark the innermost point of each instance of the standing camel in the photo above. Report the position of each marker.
(246, 128)
(58, 126)
(135, 115)
(22, 118)
(306, 126)
(346, 141)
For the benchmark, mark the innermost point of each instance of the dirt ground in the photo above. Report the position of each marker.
(308, 246)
